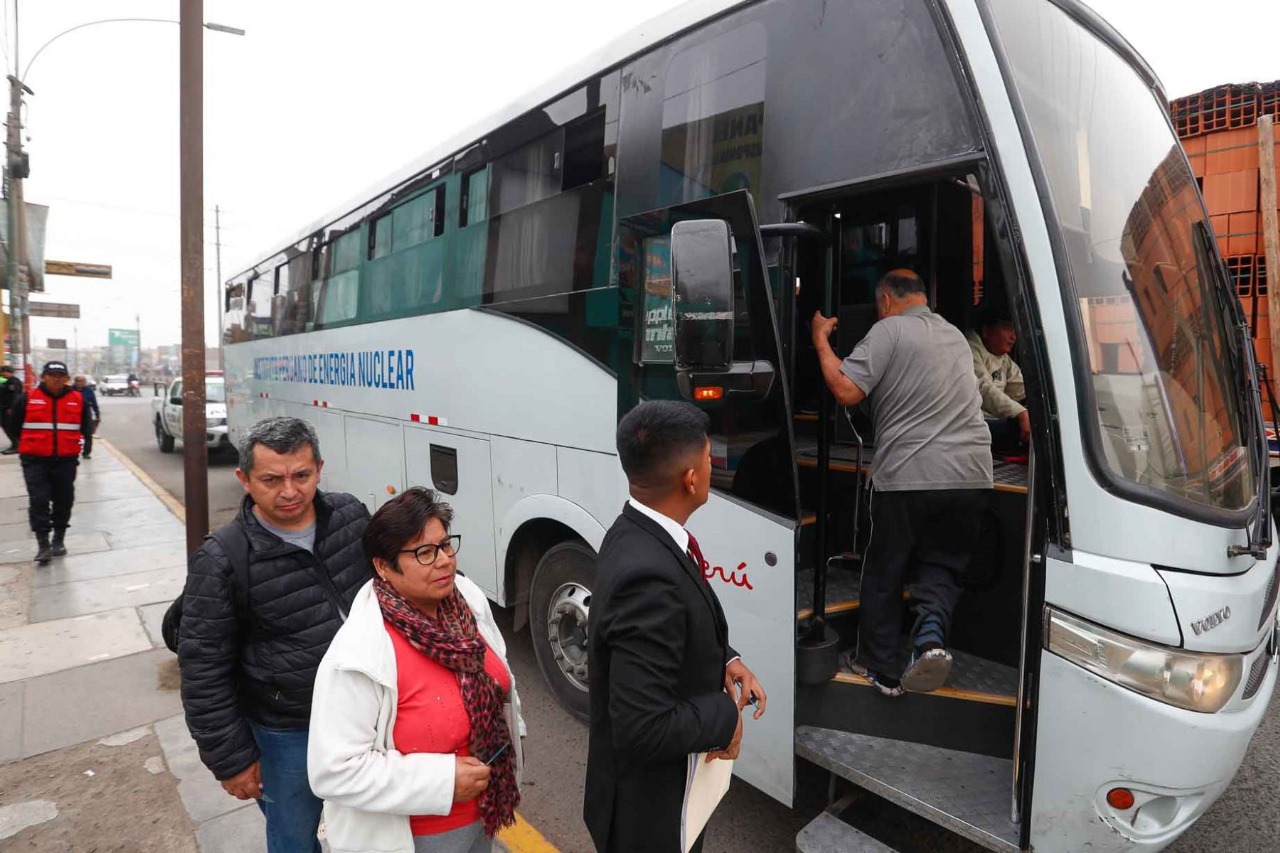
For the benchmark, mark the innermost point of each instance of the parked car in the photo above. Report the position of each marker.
(115, 385)
(167, 414)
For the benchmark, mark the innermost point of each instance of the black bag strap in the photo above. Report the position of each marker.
(235, 545)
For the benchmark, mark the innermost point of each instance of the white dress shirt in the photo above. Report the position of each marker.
(673, 528)
(676, 531)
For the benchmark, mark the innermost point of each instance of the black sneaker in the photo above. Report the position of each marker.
(927, 671)
(9, 452)
(886, 686)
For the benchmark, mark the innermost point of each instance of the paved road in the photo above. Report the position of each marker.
(1246, 818)
(127, 423)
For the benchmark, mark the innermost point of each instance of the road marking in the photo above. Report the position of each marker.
(175, 506)
(523, 838)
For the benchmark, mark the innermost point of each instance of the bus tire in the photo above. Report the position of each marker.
(559, 604)
(163, 438)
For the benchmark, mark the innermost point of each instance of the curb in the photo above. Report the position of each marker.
(171, 503)
(523, 838)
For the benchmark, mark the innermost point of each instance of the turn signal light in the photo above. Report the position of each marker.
(1120, 799)
(708, 392)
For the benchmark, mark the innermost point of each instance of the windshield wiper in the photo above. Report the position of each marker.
(1244, 369)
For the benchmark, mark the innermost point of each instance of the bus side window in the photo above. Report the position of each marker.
(342, 290)
(475, 190)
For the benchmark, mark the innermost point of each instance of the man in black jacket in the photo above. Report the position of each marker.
(664, 681)
(246, 688)
(10, 389)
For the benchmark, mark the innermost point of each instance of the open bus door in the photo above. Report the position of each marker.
(715, 342)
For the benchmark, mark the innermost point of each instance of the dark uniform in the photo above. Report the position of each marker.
(50, 425)
(10, 389)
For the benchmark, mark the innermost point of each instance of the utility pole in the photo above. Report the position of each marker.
(217, 244)
(1270, 229)
(16, 169)
(195, 467)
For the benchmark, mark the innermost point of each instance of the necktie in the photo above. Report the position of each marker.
(695, 554)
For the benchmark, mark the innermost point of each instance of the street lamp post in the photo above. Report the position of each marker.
(191, 140)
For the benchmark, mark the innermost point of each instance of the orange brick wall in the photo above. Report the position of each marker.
(1218, 129)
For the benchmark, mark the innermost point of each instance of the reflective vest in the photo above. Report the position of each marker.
(52, 425)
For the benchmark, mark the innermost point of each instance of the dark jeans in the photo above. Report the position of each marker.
(921, 539)
(291, 810)
(51, 490)
(88, 439)
(7, 422)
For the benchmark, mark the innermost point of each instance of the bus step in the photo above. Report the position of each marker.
(965, 793)
(972, 679)
(842, 591)
(829, 834)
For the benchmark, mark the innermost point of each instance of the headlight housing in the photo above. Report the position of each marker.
(215, 422)
(1192, 680)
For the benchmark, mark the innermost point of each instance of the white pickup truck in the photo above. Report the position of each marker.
(167, 412)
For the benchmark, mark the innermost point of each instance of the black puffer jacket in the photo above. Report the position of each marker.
(264, 671)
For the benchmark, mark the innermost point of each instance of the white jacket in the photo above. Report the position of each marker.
(369, 789)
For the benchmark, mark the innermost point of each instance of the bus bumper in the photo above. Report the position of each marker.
(1093, 736)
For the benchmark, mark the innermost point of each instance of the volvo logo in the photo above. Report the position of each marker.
(1213, 620)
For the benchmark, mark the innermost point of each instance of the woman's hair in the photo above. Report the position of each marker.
(400, 520)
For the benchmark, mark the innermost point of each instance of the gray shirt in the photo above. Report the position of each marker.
(304, 538)
(917, 373)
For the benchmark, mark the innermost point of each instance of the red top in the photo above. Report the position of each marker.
(431, 717)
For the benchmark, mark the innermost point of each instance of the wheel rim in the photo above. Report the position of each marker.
(567, 632)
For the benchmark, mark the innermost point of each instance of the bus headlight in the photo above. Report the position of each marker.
(215, 422)
(1191, 680)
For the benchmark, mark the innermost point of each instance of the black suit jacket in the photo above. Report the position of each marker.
(658, 648)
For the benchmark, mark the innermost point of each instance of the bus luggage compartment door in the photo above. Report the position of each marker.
(458, 468)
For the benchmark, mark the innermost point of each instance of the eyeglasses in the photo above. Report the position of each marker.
(426, 554)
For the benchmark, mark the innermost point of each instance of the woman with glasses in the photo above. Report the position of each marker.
(415, 723)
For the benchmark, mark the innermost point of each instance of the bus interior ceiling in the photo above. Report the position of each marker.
(937, 228)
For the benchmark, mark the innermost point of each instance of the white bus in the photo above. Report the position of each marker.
(478, 322)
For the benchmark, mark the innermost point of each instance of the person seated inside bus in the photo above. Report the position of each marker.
(1004, 395)
(931, 476)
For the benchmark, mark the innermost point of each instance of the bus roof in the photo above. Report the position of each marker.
(649, 34)
(652, 32)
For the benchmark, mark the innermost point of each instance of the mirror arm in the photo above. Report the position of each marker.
(795, 229)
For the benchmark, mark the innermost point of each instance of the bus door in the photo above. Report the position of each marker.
(713, 340)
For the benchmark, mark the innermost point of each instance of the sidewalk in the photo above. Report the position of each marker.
(94, 752)
(93, 747)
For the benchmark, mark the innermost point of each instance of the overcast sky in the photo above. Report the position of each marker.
(322, 98)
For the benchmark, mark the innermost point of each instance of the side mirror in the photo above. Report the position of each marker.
(702, 294)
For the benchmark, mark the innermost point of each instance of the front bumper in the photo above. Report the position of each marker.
(1093, 735)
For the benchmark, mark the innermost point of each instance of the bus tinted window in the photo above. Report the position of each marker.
(380, 237)
(528, 174)
(475, 198)
(414, 221)
(345, 253)
(1157, 370)
(261, 305)
(340, 299)
(713, 117)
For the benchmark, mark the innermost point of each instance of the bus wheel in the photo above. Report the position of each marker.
(559, 603)
(163, 439)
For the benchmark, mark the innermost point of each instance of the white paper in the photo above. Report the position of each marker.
(705, 785)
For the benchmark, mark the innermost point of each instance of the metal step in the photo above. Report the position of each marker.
(842, 591)
(965, 793)
(972, 678)
(827, 833)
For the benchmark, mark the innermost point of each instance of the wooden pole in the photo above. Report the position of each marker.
(1270, 231)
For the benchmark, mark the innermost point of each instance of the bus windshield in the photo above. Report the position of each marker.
(1163, 384)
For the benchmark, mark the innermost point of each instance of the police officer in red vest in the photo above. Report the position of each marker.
(50, 422)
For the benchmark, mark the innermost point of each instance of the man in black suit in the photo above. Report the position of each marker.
(664, 681)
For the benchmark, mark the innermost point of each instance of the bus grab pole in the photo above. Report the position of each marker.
(817, 627)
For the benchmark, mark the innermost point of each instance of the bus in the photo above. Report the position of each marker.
(661, 221)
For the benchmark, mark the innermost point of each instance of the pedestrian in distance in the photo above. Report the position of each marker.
(249, 654)
(91, 403)
(930, 479)
(50, 422)
(665, 683)
(415, 722)
(10, 388)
